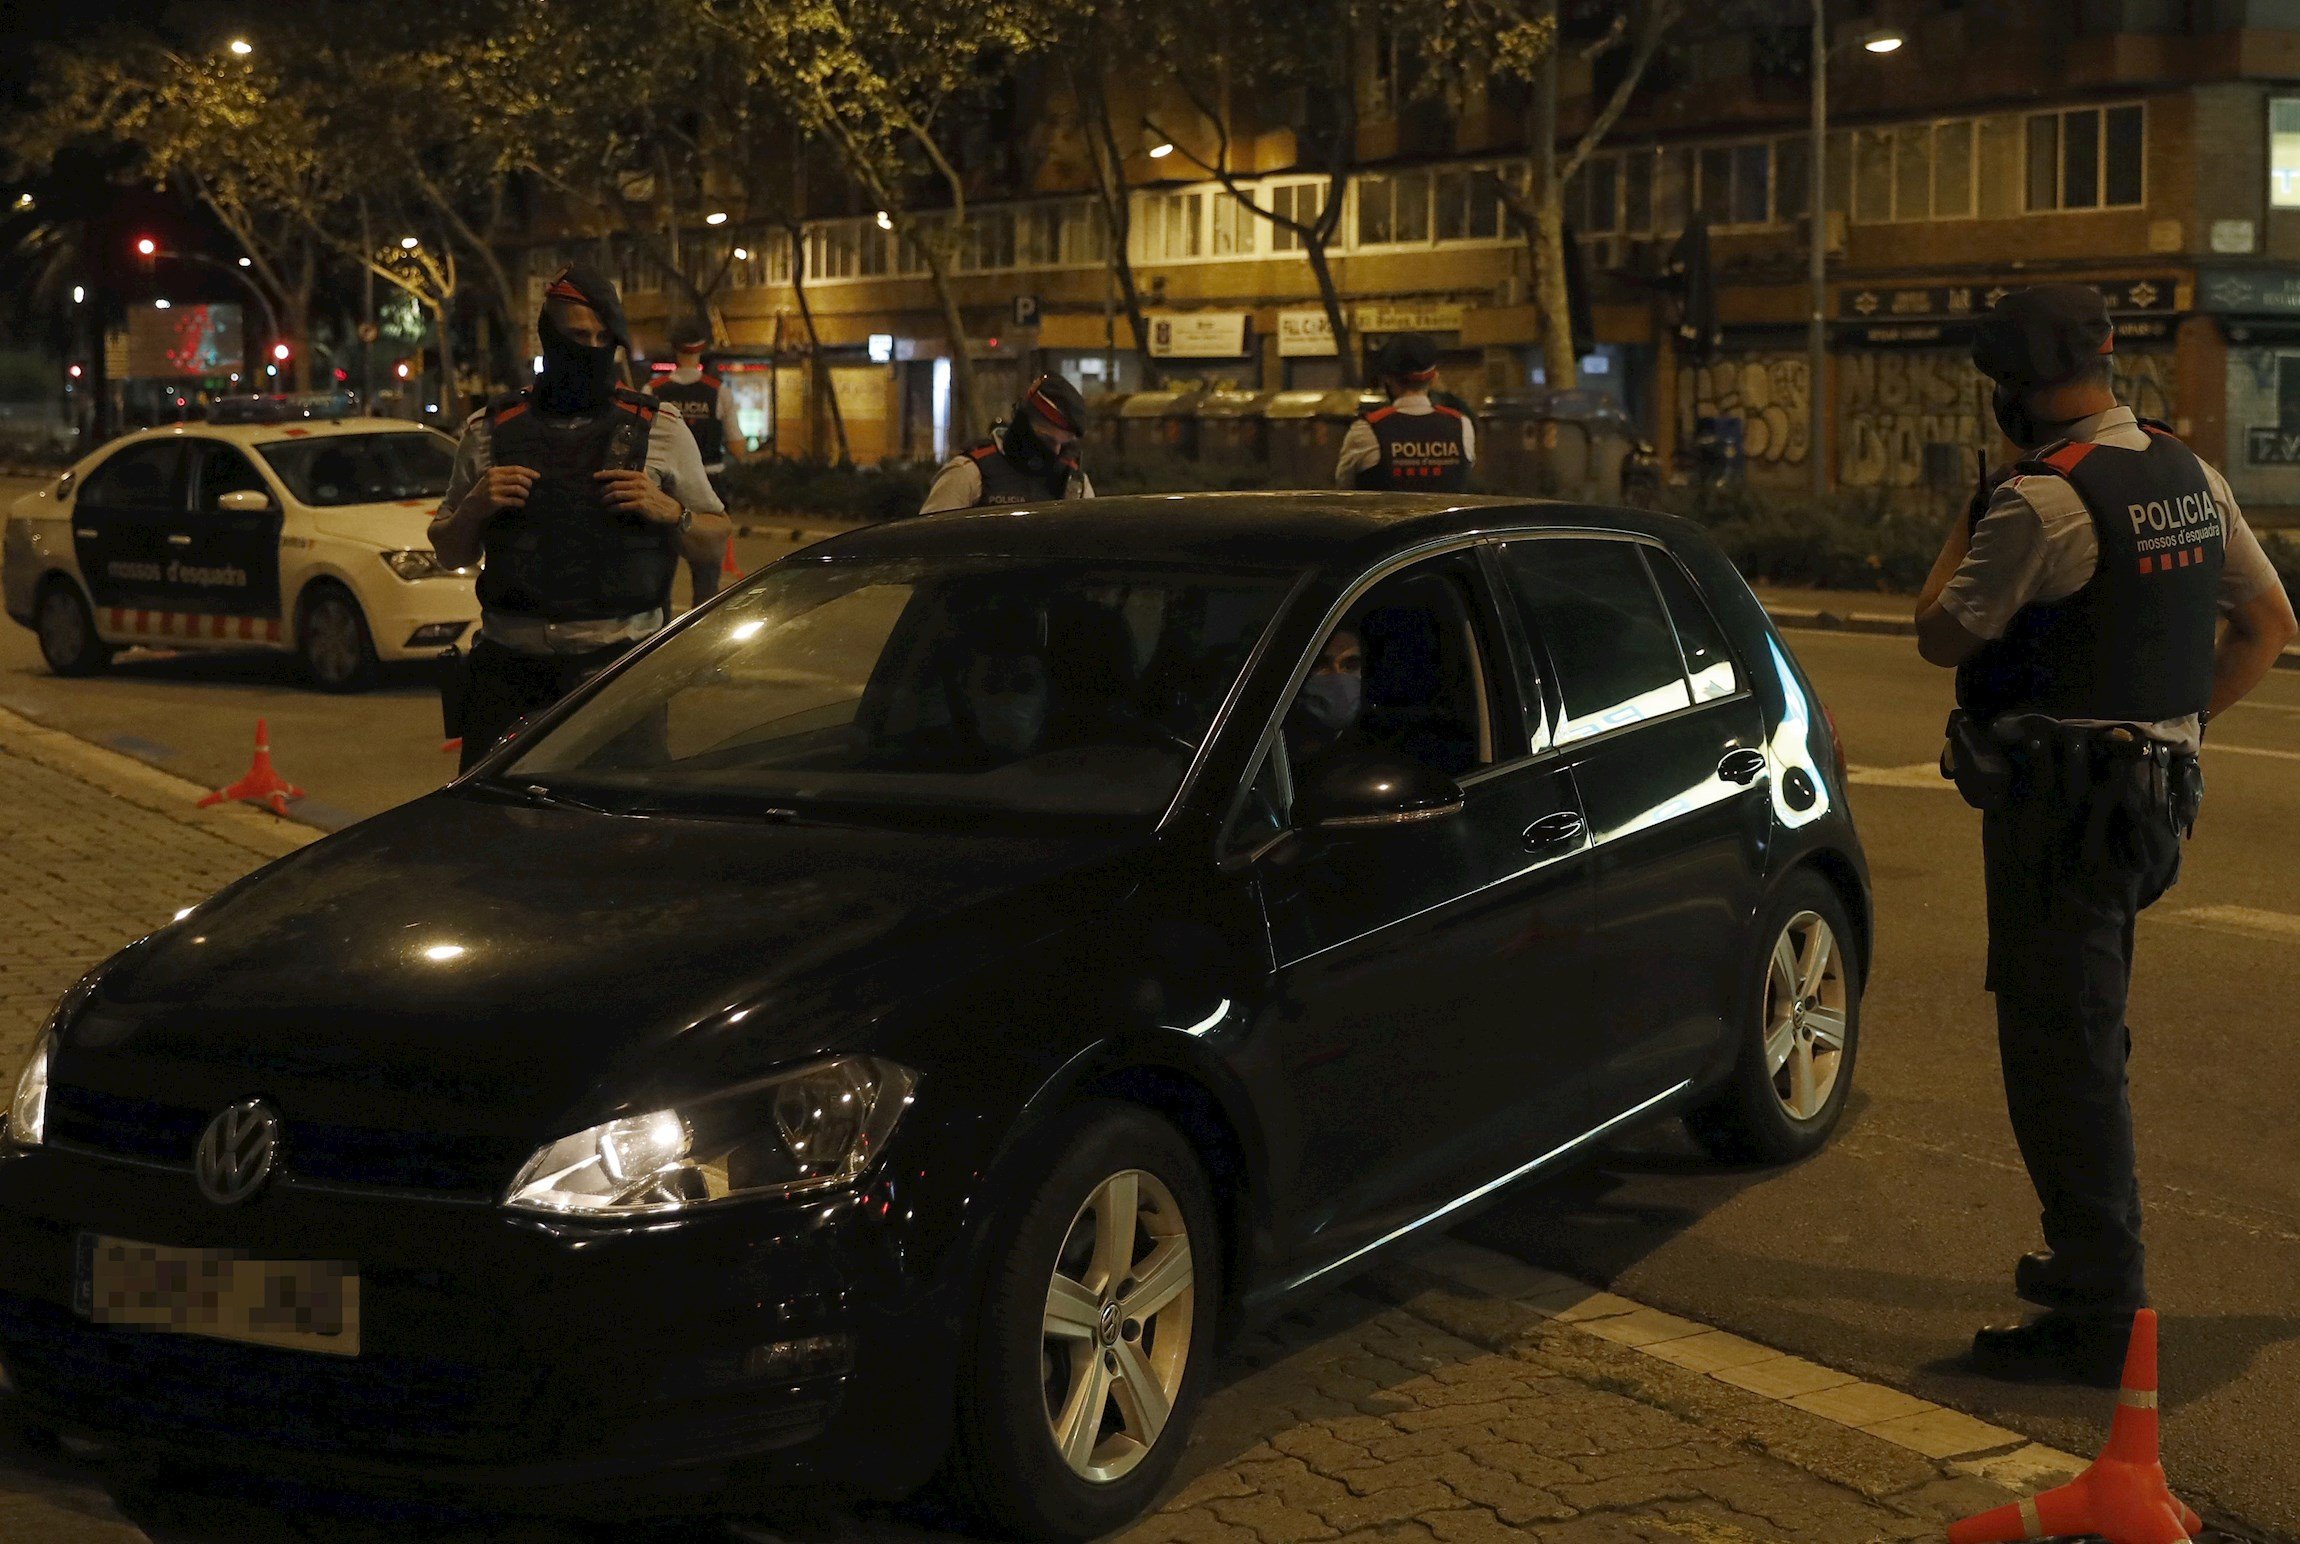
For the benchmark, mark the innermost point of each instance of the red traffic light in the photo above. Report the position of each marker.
(401, 370)
(280, 352)
(147, 246)
(342, 375)
(74, 372)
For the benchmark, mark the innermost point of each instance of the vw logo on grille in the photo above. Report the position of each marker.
(237, 1152)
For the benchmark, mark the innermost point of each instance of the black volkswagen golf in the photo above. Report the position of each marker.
(900, 1017)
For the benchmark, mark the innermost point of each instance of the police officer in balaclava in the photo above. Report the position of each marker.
(578, 499)
(1030, 458)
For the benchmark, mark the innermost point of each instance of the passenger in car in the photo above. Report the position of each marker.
(1325, 712)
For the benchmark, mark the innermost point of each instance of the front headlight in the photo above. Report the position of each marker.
(418, 563)
(27, 1123)
(807, 1129)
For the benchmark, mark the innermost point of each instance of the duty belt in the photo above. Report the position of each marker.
(2072, 763)
(535, 635)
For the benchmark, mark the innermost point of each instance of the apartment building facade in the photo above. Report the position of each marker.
(2149, 147)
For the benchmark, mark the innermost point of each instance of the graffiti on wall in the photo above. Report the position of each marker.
(1767, 392)
(1892, 403)
(2144, 380)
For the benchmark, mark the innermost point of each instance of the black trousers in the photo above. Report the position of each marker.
(505, 686)
(2068, 874)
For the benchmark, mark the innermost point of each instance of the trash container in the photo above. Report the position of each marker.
(1553, 444)
(1305, 430)
(1156, 424)
(1102, 410)
(1232, 432)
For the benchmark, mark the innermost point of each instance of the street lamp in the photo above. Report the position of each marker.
(148, 247)
(247, 262)
(241, 47)
(715, 217)
(885, 221)
(408, 243)
(79, 294)
(1876, 41)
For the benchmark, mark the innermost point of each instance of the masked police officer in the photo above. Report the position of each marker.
(2081, 610)
(1413, 445)
(578, 498)
(707, 408)
(1032, 457)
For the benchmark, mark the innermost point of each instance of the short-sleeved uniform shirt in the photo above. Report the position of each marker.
(2037, 544)
(730, 425)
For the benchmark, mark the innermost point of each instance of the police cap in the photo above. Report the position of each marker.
(2042, 335)
(586, 285)
(1410, 356)
(1054, 399)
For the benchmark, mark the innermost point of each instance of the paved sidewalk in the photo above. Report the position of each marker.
(1455, 1395)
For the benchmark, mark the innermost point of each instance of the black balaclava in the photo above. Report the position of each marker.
(577, 378)
(1059, 401)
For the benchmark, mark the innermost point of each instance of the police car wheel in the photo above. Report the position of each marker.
(1093, 1339)
(333, 642)
(1800, 1032)
(67, 629)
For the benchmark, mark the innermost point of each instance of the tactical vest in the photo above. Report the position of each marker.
(2136, 643)
(1003, 482)
(567, 555)
(698, 404)
(1421, 452)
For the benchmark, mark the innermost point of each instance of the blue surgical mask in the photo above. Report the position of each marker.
(1330, 700)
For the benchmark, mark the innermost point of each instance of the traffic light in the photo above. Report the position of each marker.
(403, 369)
(147, 247)
(281, 352)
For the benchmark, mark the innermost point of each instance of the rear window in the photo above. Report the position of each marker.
(363, 468)
(1592, 607)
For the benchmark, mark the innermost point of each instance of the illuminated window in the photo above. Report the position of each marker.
(2284, 153)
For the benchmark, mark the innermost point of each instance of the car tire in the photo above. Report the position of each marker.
(332, 641)
(1800, 1032)
(67, 630)
(1025, 1385)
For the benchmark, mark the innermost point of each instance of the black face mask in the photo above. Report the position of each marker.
(2013, 417)
(576, 378)
(1026, 450)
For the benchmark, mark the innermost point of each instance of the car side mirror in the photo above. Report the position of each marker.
(1367, 788)
(244, 501)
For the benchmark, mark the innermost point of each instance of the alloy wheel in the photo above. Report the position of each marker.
(1805, 1012)
(63, 628)
(332, 641)
(1118, 1320)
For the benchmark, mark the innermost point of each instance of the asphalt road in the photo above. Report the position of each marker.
(1882, 1254)
(195, 713)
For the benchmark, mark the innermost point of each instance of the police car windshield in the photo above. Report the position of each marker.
(1017, 686)
(362, 468)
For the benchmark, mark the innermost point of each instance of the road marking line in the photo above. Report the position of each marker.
(2248, 920)
(2251, 750)
(1922, 774)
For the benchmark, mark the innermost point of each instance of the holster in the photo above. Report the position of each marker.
(1976, 763)
(454, 668)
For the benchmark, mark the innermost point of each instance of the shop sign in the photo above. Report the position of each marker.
(1409, 316)
(2272, 446)
(1958, 302)
(2275, 294)
(1198, 335)
(1305, 334)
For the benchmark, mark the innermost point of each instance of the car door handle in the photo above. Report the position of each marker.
(1550, 830)
(1741, 766)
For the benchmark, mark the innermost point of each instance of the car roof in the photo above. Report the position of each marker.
(267, 433)
(1261, 530)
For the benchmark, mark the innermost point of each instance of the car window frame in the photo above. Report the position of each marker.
(1509, 682)
(197, 445)
(1701, 599)
(179, 478)
(1540, 649)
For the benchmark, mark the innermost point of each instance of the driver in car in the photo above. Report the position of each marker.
(1325, 712)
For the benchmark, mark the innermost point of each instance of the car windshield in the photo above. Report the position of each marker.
(363, 468)
(985, 686)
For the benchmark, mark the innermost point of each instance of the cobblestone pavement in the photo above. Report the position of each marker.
(1454, 1396)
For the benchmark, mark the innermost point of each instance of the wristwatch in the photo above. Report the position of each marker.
(686, 519)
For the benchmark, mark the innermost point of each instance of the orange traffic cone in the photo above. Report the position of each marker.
(262, 785)
(729, 569)
(2122, 1497)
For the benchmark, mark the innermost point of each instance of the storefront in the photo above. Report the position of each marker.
(2258, 312)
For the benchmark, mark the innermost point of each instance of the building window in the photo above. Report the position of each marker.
(1752, 184)
(1172, 226)
(2087, 158)
(2284, 153)
(1301, 202)
(1085, 236)
(1233, 227)
(1375, 228)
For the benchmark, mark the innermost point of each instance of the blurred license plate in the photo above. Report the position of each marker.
(304, 1305)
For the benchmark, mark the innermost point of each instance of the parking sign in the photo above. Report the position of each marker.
(1026, 310)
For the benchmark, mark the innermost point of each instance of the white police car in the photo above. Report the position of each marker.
(266, 529)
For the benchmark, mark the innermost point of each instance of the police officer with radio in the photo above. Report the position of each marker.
(707, 408)
(2082, 606)
(578, 498)
(1030, 458)
(1413, 445)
